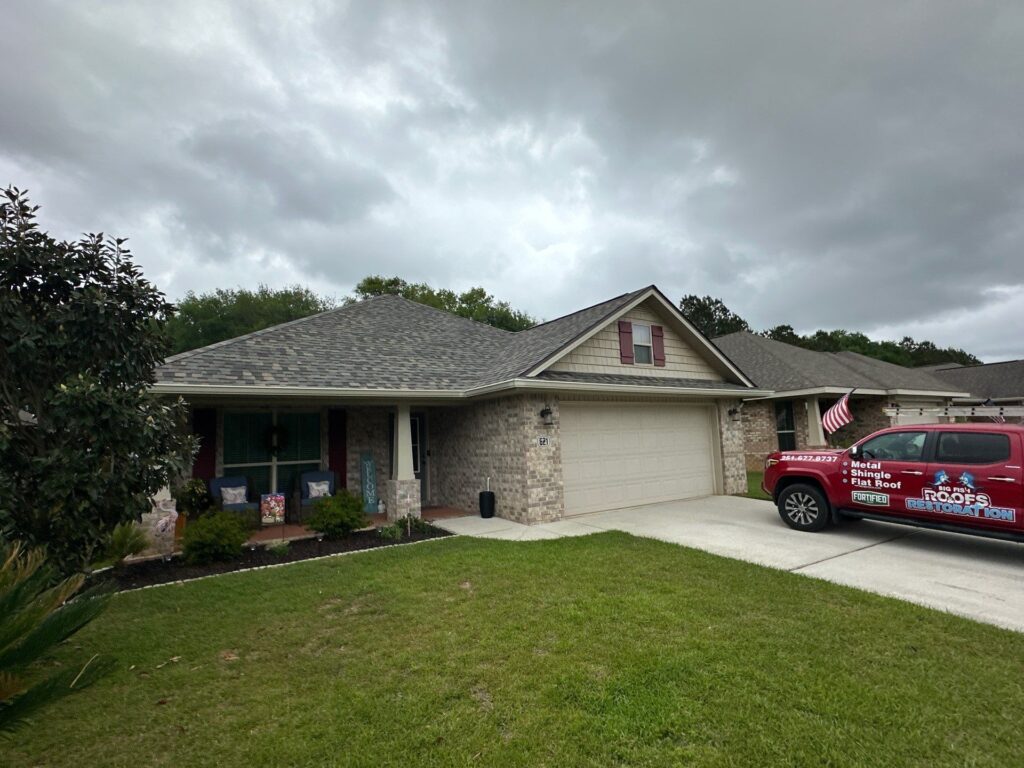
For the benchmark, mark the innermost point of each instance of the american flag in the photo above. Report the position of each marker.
(838, 415)
(998, 418)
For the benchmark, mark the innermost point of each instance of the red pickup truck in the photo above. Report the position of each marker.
(965, 478)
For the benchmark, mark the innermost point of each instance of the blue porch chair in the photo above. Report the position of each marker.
(249, 511)
(306, 505)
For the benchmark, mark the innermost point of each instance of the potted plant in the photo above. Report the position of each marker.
(192, 500)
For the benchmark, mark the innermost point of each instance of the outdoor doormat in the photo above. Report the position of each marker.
(152, 572)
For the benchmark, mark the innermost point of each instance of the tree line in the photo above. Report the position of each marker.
(714, 318)
(214, 316)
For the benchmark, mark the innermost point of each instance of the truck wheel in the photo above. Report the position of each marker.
(804, 508)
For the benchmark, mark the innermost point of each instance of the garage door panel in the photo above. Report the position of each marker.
(621, 455)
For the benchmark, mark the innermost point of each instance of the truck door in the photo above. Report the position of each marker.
(974, 480)
(890, 470)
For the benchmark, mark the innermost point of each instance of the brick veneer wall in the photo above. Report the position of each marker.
(759, 435)
(366, 429)
(402, 498)
(731, 436)
(498, 439)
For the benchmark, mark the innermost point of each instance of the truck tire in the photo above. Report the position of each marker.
(804, 508)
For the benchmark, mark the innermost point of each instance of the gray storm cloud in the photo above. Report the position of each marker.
(822, 165)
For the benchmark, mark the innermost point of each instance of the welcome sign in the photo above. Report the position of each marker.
(368, 483)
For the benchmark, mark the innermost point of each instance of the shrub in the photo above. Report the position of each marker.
(338, 515)
(212, 538)
(127, 539)
(417, 525)
(193, 498)
(391, 532)
(36, 615)
(278, 548)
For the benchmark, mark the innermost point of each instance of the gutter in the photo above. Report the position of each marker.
(215, 390)
(787, 394)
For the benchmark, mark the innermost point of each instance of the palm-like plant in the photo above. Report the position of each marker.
(35, 615)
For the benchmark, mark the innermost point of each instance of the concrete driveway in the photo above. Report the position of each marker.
(978, 578)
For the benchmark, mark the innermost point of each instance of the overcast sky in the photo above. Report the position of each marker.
(854, 165)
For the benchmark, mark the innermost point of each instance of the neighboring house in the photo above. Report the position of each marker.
(1002, 383)
(620, 404)
(806, 383)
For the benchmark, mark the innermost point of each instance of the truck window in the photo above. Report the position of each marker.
(895, 446)
(972, 448)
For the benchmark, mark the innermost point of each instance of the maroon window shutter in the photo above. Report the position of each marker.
(204, 426)
(626, 342)
(336, 446)
(658, 343)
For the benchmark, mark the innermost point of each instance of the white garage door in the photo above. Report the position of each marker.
(622, 455)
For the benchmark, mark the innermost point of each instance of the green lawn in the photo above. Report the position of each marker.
(754, 486)
(597, 651)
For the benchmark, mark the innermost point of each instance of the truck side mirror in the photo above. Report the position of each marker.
(855, 452)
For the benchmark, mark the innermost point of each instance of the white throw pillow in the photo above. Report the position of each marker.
(319, 489)
(233, 495)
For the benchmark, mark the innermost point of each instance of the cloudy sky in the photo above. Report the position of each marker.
(856, 165)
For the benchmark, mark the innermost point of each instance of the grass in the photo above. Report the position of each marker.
(754, 486)
(595, 651)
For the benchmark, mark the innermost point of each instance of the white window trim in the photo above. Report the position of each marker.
(650, 345)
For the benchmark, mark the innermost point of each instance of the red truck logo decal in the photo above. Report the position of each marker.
(962, 500)
(869, 474)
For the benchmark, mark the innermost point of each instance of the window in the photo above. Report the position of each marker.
(784, 426)
(895, 446)
(643, 351)
(972, 448)
(247, 448)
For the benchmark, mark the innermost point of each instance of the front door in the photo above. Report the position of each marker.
(418, 426)
(974, 479)
(892, 469)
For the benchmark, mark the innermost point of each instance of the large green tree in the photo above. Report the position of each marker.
(475, 303)
(207, 318)
(84, 444)
(711, 316)
(714, 318)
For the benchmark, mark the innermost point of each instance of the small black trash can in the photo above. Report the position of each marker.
(486, 503)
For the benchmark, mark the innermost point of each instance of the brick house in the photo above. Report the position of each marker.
(806, 383)
(616, 405)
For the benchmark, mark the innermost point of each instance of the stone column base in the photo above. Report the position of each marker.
(402, 498)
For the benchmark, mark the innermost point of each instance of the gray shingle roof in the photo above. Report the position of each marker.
(995, 380)
(781, 367)
(386, 342)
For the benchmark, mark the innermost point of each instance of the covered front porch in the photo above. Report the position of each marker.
(379, 452)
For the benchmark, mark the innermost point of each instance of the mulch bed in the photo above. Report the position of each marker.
(152, 572)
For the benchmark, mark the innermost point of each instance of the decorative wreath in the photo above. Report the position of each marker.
(276, 439)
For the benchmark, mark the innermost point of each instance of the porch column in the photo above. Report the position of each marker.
(402, 465)
(815, 431)
(403, 489)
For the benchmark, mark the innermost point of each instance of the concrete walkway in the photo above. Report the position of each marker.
(979, 578)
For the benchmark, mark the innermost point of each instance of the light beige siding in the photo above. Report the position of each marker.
(600, 353)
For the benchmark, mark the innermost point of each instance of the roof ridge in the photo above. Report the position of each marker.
(578, 311)
(974, 366)
(443, 311)
(260, 332)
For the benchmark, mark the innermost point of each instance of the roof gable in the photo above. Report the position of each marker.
(654, 300)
